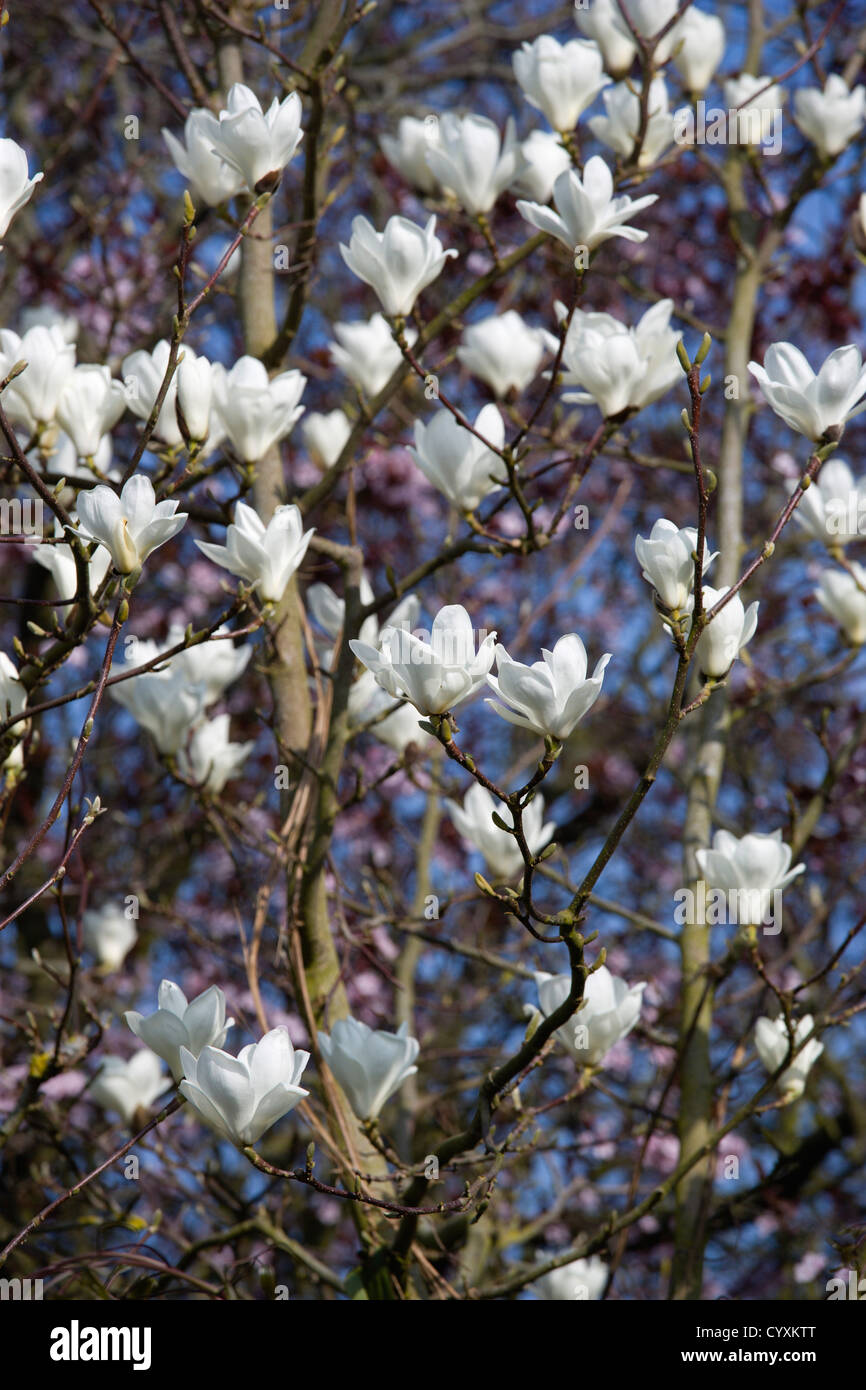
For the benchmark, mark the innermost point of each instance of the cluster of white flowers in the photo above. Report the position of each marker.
(241, 1097)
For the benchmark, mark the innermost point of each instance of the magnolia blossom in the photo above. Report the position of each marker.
(208, 175)
(31, 399)
(550, 697)
(60, 563)
(699, 48)
(843, 596)
(726, 634)
(544, 159)
(773, 1043)
(599, 21)
(620, 367)
(832, 118)
(472, 161)
(130, 526)
(504, 351)
(256, 411)
(266, 556)
(757, 865)
(129, 1087)
(560, 80)
(89, 405)
(437, 675)
(833, 508)
(581, 1280)
(196, 377)
(398, 263)
(13, 698)
(587, 213)
(458, 463)
(812, 404)
(609, 1011)
(756, 100)
(257, 145)
(407, 151)
(325, 435)
(369, 1064)
(16, 186)
(109, 934)
(164, 704)
(143, 375)
(474, 821)
(667, 561)
(619, 128)
(46, 316)
(212, 664)
(210, 758)
(178, 1024)
(367, 353)
(241, 1097)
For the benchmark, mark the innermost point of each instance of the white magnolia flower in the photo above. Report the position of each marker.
(544, 159)
(407, 151)
(609, 1011)
(843, 596)
(366, 352)
(196, 377)
(560, 80)
(266, 556)
(833, 509)
(598, 21)
(369, 1064)
(393, 722)
(757, 865)
(581, 1280)
(163, 704)
(109, 934)
(60, 562)
(550, 697)
(504, 351)
(129, 1087)
(208, 175)
(257, 144)
(457, 462)
(618, 366)
(13, 698)
(210, 758)
(474, 821)
(726, 635)
(397, 263)
(619, 128)
(436, 675)
(211, 664)
(830, 119)
(812, 404)
(587, 213)
(241, 1097)
(649, 17)
(756, 104)
(325, 435)
(31, 399)
(89, 406)
(472, 161)
(178, 1024)
(143, 375)
(699, 48)
(130, 526)
(16, 186)
(773, 1043)
(255, 411)
(667, 561)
